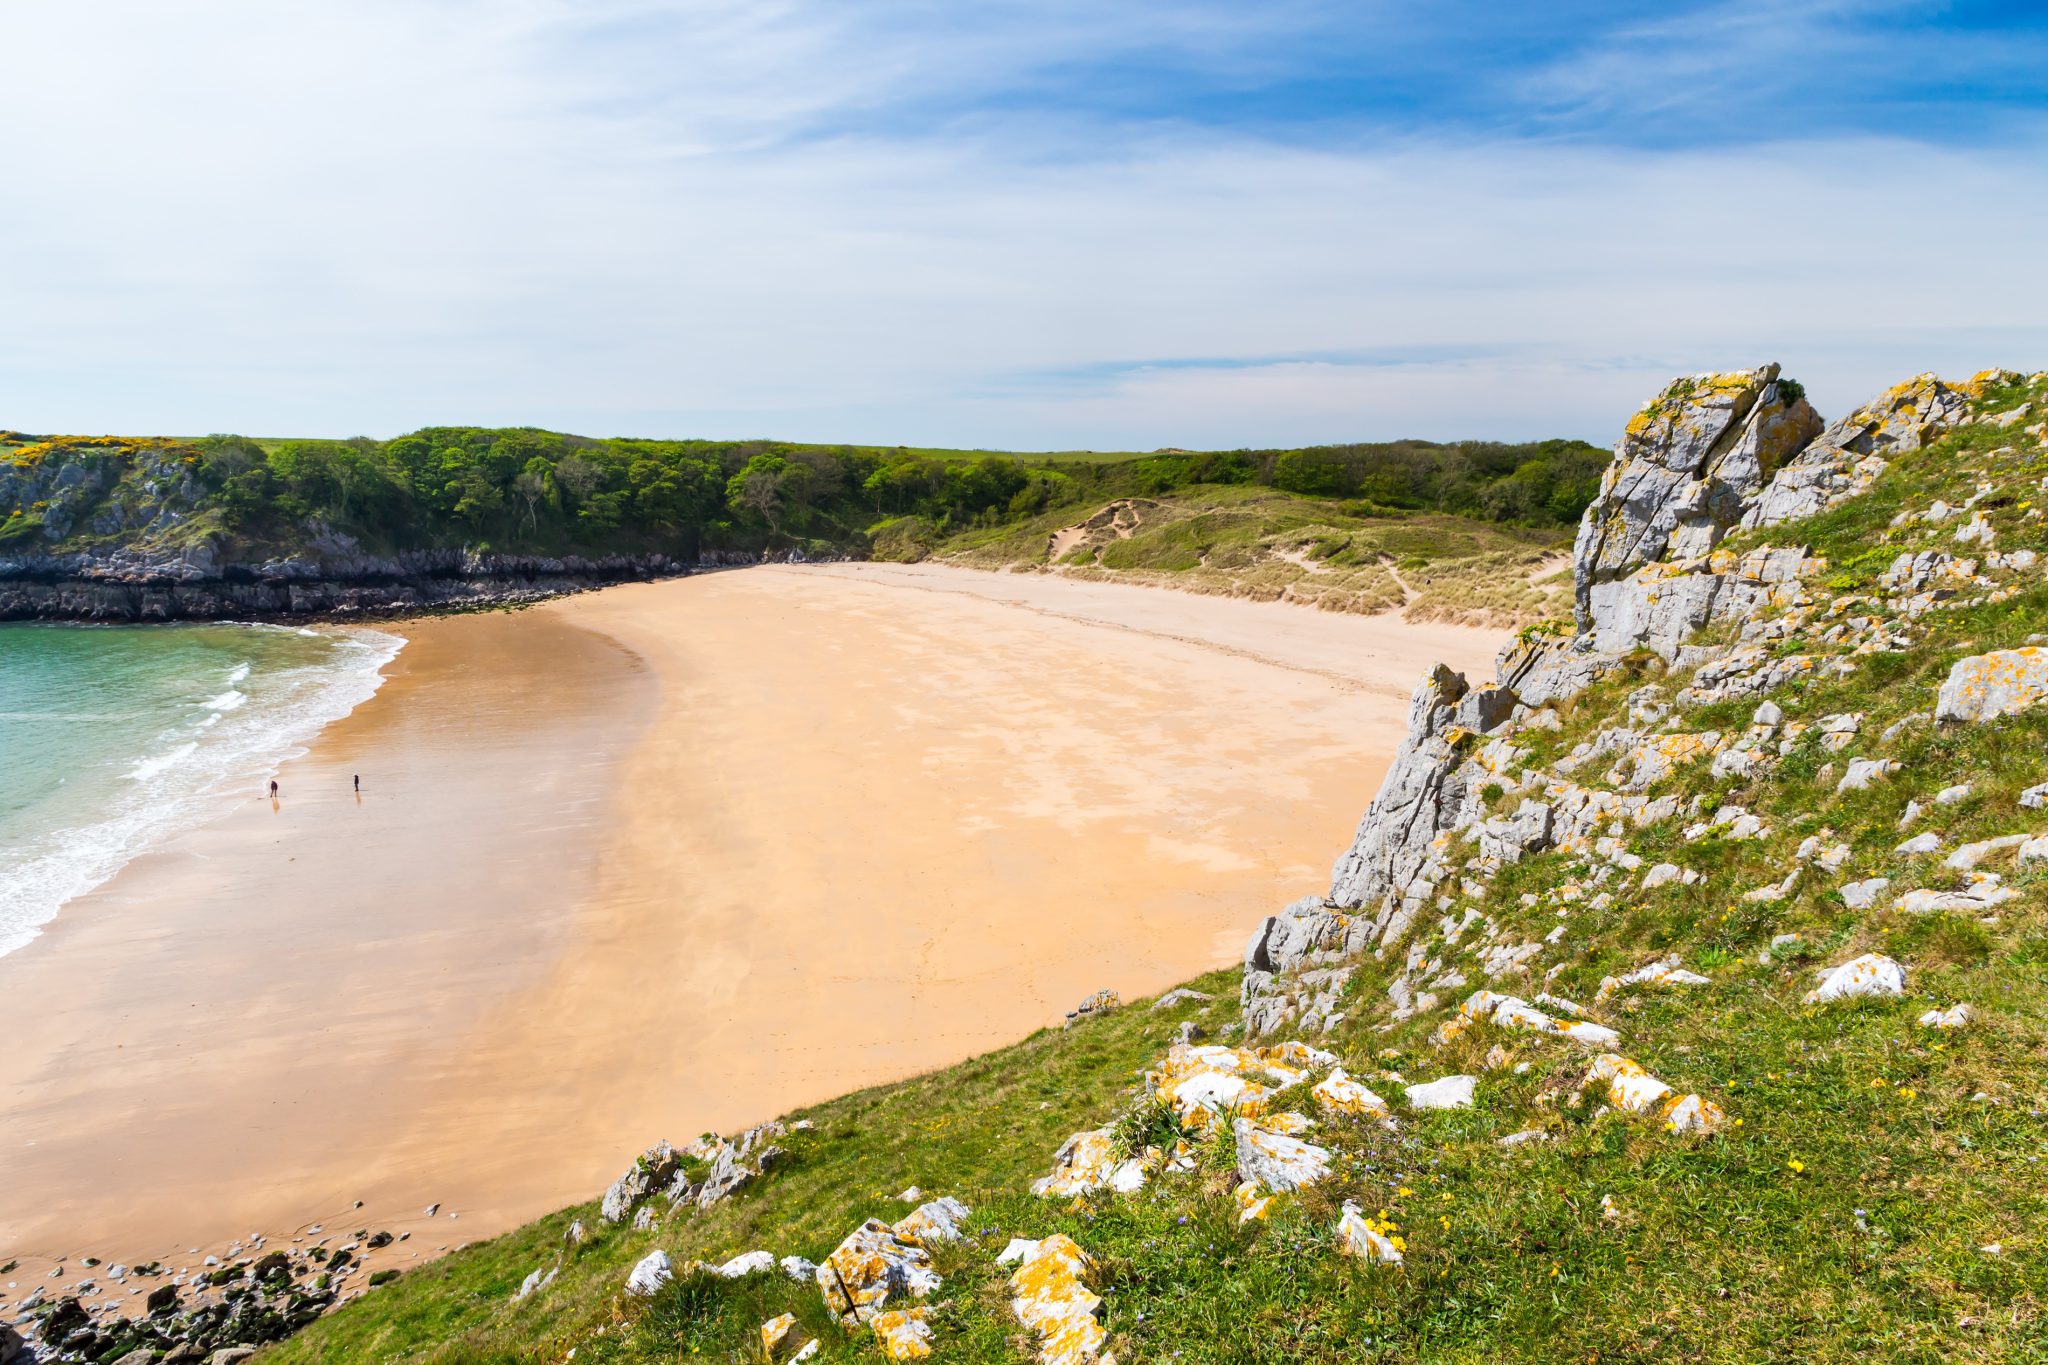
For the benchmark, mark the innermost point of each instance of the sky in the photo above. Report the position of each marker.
(1033, 225)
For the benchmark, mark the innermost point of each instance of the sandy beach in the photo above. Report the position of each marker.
(668, 858)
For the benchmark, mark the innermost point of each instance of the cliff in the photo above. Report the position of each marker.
(1679, 997)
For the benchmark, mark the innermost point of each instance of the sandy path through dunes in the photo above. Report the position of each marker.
(778, 833)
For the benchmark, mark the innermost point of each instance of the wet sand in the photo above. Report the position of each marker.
(668, 858)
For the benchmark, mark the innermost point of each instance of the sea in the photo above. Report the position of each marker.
(115, 738)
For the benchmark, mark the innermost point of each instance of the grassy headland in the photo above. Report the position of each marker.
(1340, 525)
(1873, 1188)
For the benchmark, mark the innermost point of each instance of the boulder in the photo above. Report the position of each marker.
(1451, 1092)
(902, 1333)
(1051, 1295)
(872, 1268)
(1102, 1002)
(1339, 1094)
(941, 1220)
(1870, 974)
(653, 1271)
(650, 1171)
(1090, 1161)
(1954, 1017)
(1180, 995)
(1985, 686)
(1277, 1161)
(1356, 1236)
(11, 1344)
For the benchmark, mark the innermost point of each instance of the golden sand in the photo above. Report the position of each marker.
(669, 858)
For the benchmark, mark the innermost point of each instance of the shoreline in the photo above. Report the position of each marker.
(688, 925)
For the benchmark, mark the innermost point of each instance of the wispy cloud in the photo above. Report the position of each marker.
(1046, 224)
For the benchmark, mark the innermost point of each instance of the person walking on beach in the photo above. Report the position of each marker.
(273, 789)
(359, 784)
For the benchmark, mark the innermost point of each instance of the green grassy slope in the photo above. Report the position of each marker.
(1267, 545)
(1875, 1192)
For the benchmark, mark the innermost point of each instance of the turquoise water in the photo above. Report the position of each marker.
(113, 738)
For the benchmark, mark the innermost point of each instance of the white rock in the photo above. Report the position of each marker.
(1276, 1161)
(650, 1275)
(1355, 1238)
(1969, 855)
(1949, 796)
(798, 1269)
(1768, 713)
(751, 1263)
(1452, 1092)
(1925, 842)
(1020, 1249)
(942, 1220)
(1983, 892)
(2002, 683)
(1954, 1017)
(1862, 895)
(1871, 974)
(1864, 771)
(2035, 798)
(1909, 815)
(1526, 1135)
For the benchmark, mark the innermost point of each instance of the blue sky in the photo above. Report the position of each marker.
(1003, 224)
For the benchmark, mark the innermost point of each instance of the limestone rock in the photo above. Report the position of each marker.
(653, 1271)
(1090, 1161)
(649, 1172)
(1101, 1002)
(872, 1268)
(1050, 1294)
(1862, 895)
(1340, 1094)
(1870, 974)
(1276, 1161)
(1846, 459)
(941, 1220)
(902, 1333)
(1683, 474)
(1356, 1236)
(1954, 1017)
(1985, 686)
(1180, 995)
(798, 1269)
(1451, 1092)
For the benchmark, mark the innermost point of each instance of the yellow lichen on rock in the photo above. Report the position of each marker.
(1049, 1293)
(903, 1333)
(1339, 1094)
(870, 1267)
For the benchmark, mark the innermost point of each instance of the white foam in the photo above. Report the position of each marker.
(184, 785)
(226, 701)
(163, 763)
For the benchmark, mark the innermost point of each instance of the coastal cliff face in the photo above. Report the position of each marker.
(1712, 456)
(194, 585)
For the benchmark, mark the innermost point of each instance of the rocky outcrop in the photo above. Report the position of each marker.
(1847, 458)
(1685, 473)
(195, 585)
(1710, 455)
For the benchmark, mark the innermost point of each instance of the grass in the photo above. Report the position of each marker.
(1876, 1195)
(1269, 545)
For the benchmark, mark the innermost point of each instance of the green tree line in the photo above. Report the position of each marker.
(525, 489)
